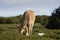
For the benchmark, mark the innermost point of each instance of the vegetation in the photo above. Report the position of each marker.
(9, 27)
(43, 20)
(10, 20)
(10, 32)
(54, 22)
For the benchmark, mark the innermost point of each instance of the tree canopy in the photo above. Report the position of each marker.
(54, 22)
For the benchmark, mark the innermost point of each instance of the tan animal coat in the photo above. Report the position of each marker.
(27, 22)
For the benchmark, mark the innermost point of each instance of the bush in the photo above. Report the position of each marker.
(54, 22)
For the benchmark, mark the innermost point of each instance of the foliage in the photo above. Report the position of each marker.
(10, 32)
(10, 20)
(43, 20)
(54, 22)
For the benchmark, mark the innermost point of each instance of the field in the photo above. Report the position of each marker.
(10, 32)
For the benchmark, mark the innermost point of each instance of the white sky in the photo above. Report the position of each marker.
(17, 7)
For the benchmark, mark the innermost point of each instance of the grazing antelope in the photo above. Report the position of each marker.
(27, 22)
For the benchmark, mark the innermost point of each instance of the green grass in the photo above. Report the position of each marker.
(10, 32)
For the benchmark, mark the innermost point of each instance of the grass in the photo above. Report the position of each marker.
(10, 32)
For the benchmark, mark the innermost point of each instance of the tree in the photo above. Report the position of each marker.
(54, 22)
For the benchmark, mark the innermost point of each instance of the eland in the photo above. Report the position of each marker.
(27, 22)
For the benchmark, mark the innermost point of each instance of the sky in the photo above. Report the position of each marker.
(10, 8)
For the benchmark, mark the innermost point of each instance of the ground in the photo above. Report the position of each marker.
(10, 32)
